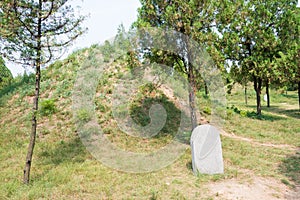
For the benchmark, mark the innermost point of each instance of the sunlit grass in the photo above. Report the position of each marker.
(63, 168)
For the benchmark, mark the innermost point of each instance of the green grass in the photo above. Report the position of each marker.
(277, 125)
(63, 169)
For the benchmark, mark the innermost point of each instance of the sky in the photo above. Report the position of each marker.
(105, 16)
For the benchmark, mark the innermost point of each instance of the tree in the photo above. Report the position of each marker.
(250, 34)
(194, 19)
(5, 75)
(289, 59)
(33, 32)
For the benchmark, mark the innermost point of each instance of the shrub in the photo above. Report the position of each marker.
(207, 110)
(244, 113)
(47, 107)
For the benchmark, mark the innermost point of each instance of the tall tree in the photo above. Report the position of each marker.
(33, 32)
(250, 38)
(194, 19)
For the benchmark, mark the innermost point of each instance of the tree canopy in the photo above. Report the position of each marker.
(255, 35)
(195, 19)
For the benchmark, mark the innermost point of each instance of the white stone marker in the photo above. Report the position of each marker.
(206, 150)
(265, 97)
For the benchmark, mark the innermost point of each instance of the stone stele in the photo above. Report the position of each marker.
(206, 150)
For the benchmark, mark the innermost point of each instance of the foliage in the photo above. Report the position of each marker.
(48, 107)
(5, 75)
(194, 19)
(251, 39)
(107, 51)
(28, 27)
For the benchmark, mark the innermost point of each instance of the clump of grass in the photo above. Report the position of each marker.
(83, 115)
(47, 107)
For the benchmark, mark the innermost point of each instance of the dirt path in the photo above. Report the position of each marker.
(254, 188)
(252, 141)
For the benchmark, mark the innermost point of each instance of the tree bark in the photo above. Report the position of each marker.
(192, 97)
(268, 93)
(299, 93)
(33, 128)
(206, 89)
(191, 80)
(246, 95)
(257, 88)
(36, 100)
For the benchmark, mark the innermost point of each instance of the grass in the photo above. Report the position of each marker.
(63, 168)
(277, 124)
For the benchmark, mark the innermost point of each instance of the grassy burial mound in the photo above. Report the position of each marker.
(261, 155)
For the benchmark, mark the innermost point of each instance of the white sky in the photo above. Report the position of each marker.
(105, 17)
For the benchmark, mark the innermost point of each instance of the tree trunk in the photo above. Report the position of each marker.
(192, 97)
(33, 128)
(299, 93)
(191, 79)
(268, 93)
(257, 88)
(246, 95)
(36, 100)
(206, 89)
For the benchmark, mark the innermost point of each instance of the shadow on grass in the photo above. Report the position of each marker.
(139, 112)
(290, 167)
(253, 115)
(189, 165)
(266, 117)
(72, 151)
(292, 96)
(295, 113)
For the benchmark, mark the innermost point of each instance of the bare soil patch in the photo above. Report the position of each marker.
(254, 188)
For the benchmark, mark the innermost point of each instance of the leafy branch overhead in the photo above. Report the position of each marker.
(27, 26)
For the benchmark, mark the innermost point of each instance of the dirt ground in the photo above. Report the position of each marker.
(255, 188)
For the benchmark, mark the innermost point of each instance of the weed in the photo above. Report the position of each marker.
(83, 115)
(207, 110)
(47, 107)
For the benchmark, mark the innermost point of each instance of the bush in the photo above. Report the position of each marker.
(244, 113)
(207, 110)
(47, 107)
